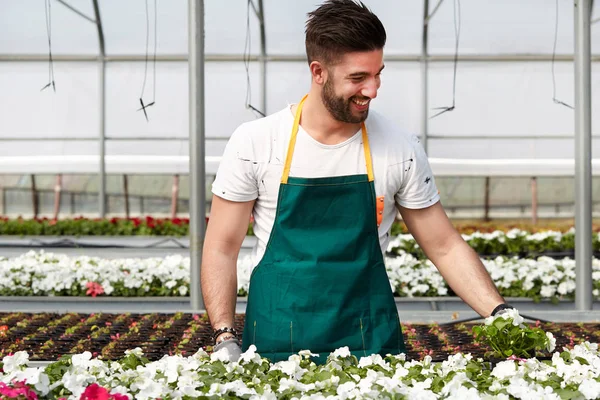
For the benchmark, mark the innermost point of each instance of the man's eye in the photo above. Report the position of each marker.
(357, 79)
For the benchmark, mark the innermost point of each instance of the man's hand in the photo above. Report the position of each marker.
(502, 308)
(458, 263)
(232, 346)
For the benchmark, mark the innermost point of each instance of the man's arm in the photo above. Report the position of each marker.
(225, 233)
(458, 263)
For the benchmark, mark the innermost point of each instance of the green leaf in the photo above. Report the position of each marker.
(582, 360)
(567, 394)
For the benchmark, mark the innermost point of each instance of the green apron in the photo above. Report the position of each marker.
(322, 283)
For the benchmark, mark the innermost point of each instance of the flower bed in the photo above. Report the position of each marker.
(149, 225)
(513, 242)
(572, 373)
(42, 273)
(48, 336)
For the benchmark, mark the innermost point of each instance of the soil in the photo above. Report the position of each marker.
(48, 336)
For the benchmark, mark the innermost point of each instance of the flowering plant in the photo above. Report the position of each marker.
(506, 334)
(572, 374)
(512, 242)
(43, 273)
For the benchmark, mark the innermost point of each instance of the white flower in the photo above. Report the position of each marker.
(35, 377)
(504, 370)
(291, 367)
(347, 390)
(250, 356)
(342, 352)
(136, 352)
(552, 342)
(220, 355)
(307, 354)
(81, 360)
(548, 291)
(15, 362)
(590, 389)
(373, 359)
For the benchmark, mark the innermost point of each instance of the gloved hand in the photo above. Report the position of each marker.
(232, 346)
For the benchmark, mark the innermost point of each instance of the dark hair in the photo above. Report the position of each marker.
(342, 26)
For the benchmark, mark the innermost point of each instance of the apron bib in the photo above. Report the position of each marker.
(322, 283)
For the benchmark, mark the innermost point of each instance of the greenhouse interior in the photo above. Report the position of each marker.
(116, 117)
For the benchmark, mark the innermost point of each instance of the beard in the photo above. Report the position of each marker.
(340, 108)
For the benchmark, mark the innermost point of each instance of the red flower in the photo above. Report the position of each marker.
(95, 392)
(19, 389)
(94, 289)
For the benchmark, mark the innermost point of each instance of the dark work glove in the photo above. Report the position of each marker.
(501, 309)
(233, 346)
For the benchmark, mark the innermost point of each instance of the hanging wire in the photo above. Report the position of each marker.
(144, 106)
(554, 99)
(457, 39)
(247, 53)
(48, 11)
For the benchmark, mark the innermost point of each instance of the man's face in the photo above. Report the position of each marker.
(351, 85)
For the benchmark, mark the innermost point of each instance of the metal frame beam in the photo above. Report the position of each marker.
(512, 136)
(425, 75)
(102, 127)
(263, 56)
(583, 156)
(288, 58)
(197, 175)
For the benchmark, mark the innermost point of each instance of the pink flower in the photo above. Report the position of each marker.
(18, 389)
(515, 358)
(97, 392)
(94, 289)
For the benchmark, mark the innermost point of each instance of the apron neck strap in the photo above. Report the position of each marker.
(292, 145)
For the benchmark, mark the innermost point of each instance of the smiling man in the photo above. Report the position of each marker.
(324, 179)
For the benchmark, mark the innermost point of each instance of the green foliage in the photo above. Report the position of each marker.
(507, 339)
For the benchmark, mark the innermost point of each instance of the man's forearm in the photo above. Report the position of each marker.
(462, 268)
(219, 287)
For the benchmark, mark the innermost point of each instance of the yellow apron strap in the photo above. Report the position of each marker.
(290, 152)
(367, 151)
(292, 145)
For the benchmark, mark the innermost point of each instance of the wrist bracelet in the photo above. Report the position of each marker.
(501, 306)
(225, 338)
(225, 329)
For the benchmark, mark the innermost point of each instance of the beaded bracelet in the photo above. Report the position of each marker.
(225, 329)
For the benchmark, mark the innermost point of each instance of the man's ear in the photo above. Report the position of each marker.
(318, 72)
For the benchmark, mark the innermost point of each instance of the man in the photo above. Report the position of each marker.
(323, 179)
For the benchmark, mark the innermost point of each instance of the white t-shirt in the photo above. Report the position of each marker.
(253, 160)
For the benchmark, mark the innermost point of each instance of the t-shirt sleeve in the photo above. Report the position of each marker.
(418, 189)
(236, 175)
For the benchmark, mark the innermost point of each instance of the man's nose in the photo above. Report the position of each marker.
(370, 89)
